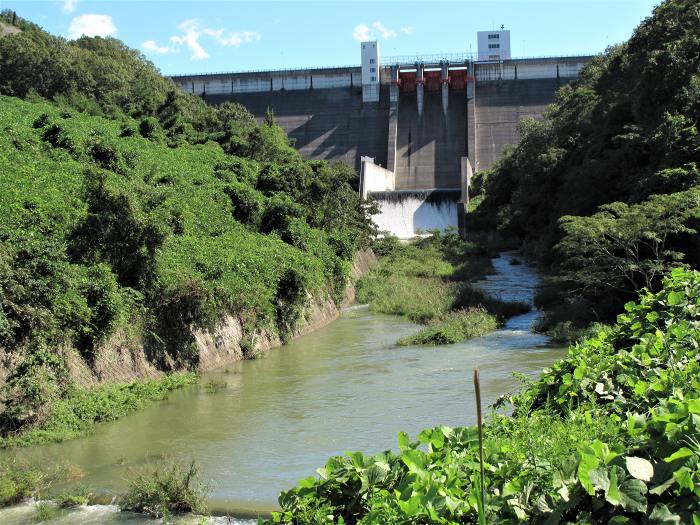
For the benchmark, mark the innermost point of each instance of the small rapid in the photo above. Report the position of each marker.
(278, 418)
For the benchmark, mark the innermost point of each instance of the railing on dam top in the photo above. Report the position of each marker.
(435, 58)
(401, 60)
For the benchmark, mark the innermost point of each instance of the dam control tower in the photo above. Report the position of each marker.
(414, 127)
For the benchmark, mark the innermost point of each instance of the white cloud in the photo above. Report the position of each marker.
(235, 38)
(153, 47)
(69, 5)
(192, 32)
(92, 25)
(361, 33)
(384, 31)
(191, 39)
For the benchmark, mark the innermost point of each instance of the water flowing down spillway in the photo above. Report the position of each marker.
(407, 213)
(345, 387)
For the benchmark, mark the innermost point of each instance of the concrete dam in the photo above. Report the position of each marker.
(415, 130)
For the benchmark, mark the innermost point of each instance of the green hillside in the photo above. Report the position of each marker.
(126, 205)
(604, 189)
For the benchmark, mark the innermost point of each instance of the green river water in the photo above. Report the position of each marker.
(345, 387)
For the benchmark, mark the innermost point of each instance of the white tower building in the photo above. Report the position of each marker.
(370, 71)
(493, 45)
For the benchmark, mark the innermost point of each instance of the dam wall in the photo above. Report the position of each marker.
(322, 110)
(260, 81)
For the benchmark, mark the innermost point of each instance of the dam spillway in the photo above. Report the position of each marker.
(429, 145)
(424, 125)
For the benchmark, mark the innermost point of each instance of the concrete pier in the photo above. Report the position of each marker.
(445, 87)
(420, 87)
(393, 119)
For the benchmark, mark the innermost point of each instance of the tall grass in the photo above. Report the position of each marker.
(20, 480)
(418, 298)
(480, 427)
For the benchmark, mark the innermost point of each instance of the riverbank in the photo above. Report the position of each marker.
(119, 383)
(429, 282)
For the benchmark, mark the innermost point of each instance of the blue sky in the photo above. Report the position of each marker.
(201, 36)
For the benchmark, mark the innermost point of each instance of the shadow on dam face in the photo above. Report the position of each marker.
(325, 124)
(429, 147)
(500, 106)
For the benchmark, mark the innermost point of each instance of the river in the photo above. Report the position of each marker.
(278, 418)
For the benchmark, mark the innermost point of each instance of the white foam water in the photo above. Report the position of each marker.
(26, 514)
(411, 214)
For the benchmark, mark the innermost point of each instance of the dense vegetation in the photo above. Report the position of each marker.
(426, 281)
(610, 434)
(605, 188)
(130, 208)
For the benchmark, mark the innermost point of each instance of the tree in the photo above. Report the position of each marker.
(626, 247)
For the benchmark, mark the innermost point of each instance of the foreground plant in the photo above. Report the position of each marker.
(609, 435)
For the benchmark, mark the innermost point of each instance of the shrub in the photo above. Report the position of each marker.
(386, 245)
(453, 327)
(150, 129)
(468, 296)
(73, 498)
(248, 203)
(20, 480)
(165, 490)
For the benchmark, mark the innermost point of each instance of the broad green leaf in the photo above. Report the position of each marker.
(415, 460)
(613, 495)
(587, 463)
(639, 468)
(674, 298)
(619, 520)
(411, 507)
(679, 454)
(599, 478)
(660, 515)
(632, 495)
(404, 441)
